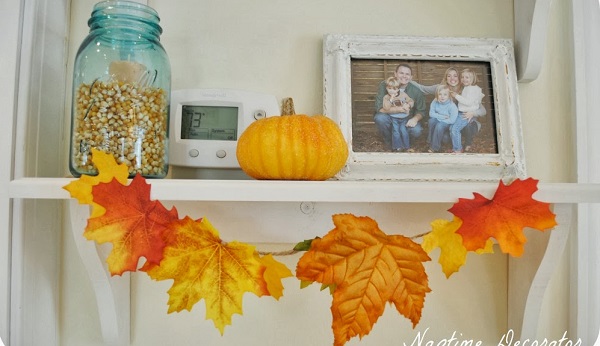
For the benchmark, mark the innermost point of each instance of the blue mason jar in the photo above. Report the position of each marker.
(121, 91)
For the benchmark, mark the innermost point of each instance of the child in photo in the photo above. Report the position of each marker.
(442, 114)
(469, 101)
(398, 103)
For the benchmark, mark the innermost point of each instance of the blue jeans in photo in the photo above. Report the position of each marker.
(437, 130)
(383, 122)
(400, 138)
(468, 134)
(455, 134)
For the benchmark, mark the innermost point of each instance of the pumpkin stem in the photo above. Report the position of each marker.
(287, 107)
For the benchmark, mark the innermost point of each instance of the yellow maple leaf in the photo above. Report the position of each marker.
(274, 272)
(203, 267)
(108, 169)
(453, 253)
(368, 269)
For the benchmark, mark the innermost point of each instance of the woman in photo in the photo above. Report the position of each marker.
(452, 80)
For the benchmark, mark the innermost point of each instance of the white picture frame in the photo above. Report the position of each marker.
(507, 162)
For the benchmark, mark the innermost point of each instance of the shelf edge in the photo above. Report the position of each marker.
(313, 191)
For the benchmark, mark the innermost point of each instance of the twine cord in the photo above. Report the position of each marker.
(293, 252)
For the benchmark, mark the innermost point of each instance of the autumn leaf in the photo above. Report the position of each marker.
(133, 223)
(503, 217)
(108, 169)
(274, 272)
(304, 245)
(203, 267)
(368, 269)
(453, 253)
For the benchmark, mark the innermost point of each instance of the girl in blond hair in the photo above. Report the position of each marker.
(442, 115)
(469, 101)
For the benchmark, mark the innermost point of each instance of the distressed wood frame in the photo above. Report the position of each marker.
(507, 164)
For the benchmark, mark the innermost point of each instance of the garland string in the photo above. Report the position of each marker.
(293, 252)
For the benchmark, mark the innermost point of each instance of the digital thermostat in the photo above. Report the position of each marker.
(206, 123)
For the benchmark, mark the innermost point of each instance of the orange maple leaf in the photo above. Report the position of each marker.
(503, 217)
(108, 169)
(202, 266)
(133, 223)
(368, 269)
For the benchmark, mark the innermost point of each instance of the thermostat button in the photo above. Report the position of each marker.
(221, 153)
(193, 153)
(259, 114)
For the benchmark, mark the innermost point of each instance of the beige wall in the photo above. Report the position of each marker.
(274, 46)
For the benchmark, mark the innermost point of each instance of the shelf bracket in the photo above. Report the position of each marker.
(531, 29)
(554, 250)
(112, 293)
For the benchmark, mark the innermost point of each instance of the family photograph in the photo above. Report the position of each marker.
(422, 106)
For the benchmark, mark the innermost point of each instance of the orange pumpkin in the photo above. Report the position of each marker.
(292, 147)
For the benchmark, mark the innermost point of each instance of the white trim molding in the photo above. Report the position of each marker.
(10, 26)
(585, 299)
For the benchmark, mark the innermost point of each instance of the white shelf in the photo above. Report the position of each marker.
(314, 191)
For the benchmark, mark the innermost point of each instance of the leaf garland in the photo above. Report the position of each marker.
(362, 266)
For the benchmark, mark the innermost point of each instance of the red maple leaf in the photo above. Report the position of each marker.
(133, 223)
(503, 217)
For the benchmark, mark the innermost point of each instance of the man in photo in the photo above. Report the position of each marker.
(382, 117)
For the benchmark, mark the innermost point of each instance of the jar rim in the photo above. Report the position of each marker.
(126, 10)
(108, 6)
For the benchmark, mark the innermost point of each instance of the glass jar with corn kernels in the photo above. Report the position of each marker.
(121, 91)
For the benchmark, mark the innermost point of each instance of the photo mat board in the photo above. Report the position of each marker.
(354, 65)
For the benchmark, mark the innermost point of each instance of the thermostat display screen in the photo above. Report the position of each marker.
(209, 123)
